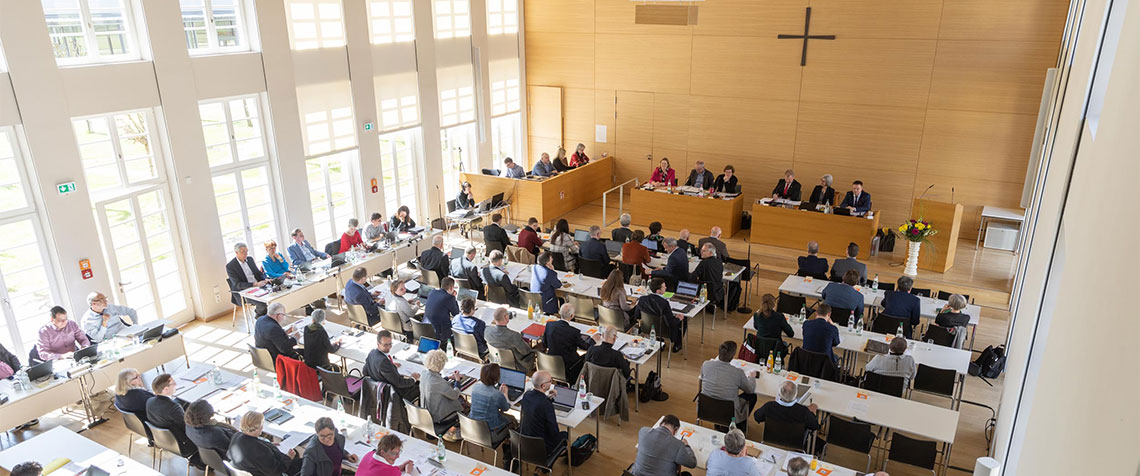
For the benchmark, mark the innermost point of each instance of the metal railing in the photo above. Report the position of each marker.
(621, 200)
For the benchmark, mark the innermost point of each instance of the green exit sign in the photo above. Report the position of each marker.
(66, 188)
(369, 126)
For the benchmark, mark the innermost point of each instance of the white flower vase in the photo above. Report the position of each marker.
(911, 268)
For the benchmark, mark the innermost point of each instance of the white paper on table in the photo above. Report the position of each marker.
(857, 408)
(766, 462)
(292, 440)
(794, 454)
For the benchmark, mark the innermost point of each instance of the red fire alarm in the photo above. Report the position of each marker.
(374, 187)
(85, 269)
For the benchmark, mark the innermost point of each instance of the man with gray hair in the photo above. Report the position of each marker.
(733, 458)
(434, 259)
(714, 238)
(463, 267)
(501, 337)
(603, 353)
(659, 452)
(723, 381)
(269, 335)
(785, 409)
(622, 234)
(564, 340)
(593, 249)
(243, 274)
(895, 364)
(676, 265)
(700, 177)
(683, 241)
(103, 320)
(812, 265)
(798, 467)
(496, 274)
(356, 293)
(538, 417)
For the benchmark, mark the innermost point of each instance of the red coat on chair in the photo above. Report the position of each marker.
(297, 378)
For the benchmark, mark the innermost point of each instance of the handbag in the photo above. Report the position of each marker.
(582, 448)
(748, 350)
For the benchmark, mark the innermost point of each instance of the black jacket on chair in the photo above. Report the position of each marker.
(164, 412)
(237, 276)
(495, 238)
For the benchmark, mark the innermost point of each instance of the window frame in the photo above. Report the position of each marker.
(393, 36)
(125, 186)
(452, 31)
(413, 135)
(502, 14)
(353, 167)
(212, 40)
(87, 25)
(319, 41)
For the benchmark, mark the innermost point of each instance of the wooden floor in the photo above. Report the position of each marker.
(985, 275)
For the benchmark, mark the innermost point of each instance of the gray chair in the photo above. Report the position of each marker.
(391, 322)
(135, 425)
(357, 316)
(715, 411)
(532, 300)
(167, 443)
(262, 359)
(584, 309)
(429, 278)
(608, 316)
(651, 322)
(479, 434)
(423, 329)
(214, 462)
(467, 346)
(335, 384)
(420, 419)
(553, 364)
(532, 450)
(497, 294)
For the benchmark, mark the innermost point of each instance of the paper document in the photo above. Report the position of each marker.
(292, 440)
(857, 407)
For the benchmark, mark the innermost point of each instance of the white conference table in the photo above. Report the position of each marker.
(59, 442)
(769, 460)
(232, 399)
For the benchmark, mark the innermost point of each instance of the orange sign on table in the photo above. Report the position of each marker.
(861, 395)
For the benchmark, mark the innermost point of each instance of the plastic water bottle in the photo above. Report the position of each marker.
(254, 383)
(22, 382)
(340, 413)
(771, 360)
(276, 390)
(875, 282)
(216, 374)
(803, 313)
(899, 333)
(859, 327)
(732, 424)
(653, 336)
(440, 450)
(779, 365)
(851, 322)
(581, 389)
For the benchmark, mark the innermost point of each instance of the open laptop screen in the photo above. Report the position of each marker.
(427, 344)
(565, 396)
(688, 289)
(512, 378)
(581, 235)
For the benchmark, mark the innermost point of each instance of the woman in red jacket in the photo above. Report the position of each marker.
(579, 158)
(351, 237)
(664, 174)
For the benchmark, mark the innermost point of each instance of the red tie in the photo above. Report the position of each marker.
(786, 187)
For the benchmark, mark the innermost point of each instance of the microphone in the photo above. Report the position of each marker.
(923, 192)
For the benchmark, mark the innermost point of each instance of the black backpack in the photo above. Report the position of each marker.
(582, 448)
(651, 390)
(990, 364)
(886, 240)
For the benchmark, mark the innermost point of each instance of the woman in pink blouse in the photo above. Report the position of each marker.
(382, 461)
(664, 174)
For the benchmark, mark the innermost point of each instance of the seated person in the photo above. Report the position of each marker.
(633, 252)
(275, 264)
(204, 432)
(374, 231)
(787, 188)
(382, 460)
(676, 264)
(732, 459)
(622, 233)
(660, 452)
(502, 337)
(381, 367)
(9, 363)
(402, 221)
(562, 242)
(465, 199)
(714, 238)
(895, 364)
(613, 295)
(463, 267)
(512, 170)
(769, 323)
(664, 174)
(444, 401)
(440, 307)
(301, 252)
(544, 280)
(544, 168)
(656, 304)
(603, 353)
(398, 303)
(528, 236)
(844, 296)
(901, 303)
(496, 275)
(318, 345)
(130, 393)
(725, 182)
(560, 160)
(494, 236)
(58, 338)
(351, 237)
(823, 194)
(593, 249)
(269, 335)
(103, 320)
(785, 409)
(564, 340)
(699, 177)
(490, 405)
(243, 274)
(248, 452)
(820, 333)
(857, 201)
(683, 242)
(710, 273)
(951, 314)
(467, 323)
(723, 381)
(538, 417)
(325, 454)
(842, 265)
(579, 158)
(162, 411)
(655, 234)
(435, 259)
(356, 293)
(812, 265)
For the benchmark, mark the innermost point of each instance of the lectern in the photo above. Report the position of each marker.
(947, 219)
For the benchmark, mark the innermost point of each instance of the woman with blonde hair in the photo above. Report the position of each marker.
(614, 297)
(249, 452)
(443, 401)
(768, 322)
(275, 264)
(131, 393)
(560, 161)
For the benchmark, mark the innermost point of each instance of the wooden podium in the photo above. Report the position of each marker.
(947, 219)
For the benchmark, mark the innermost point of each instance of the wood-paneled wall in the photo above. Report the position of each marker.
(910, 93)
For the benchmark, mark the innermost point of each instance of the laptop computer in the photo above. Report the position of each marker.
(497, 200)
(686, 292)
(613, 247)
(89, 352)
(515, 382)
(564, 399)
(511, 228)
(96, 471)
(424, 290)
(875, 346)
(426, 344)
(651, 244)
(40, 371)
(581, 235)
(152, 333)
(457, 252)
(462, 293)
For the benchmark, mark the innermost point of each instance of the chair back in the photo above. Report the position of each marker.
(629, 270)
(784, 434)
(334, 383)
(391, 322)
(716, 411)
(467, 346)
(840, 316)
(814, 364)
(935, 381)
(650, 322)
(945, 296)
(584, 308)
(475, 431)
(939, 335)
(429, 277)
(553, 364)
(422, 329)
(766, 345)
(450, 206)
(912, 451)
(357, 315)
(853, 435)
(532, 300)
(262, 359)
(332, 248)
(165, 440)
(528, 449)
(135, 424)
(924, 292)
(519, 255)
(885, 384)
(608, 316)
(604, 377)
(420, 419)
(213, 460)
(888, 324)
(592, 268)
(506, 358)
(497, 294)
(789, 304)
(559, 261)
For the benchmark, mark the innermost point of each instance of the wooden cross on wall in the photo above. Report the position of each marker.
(806, 36)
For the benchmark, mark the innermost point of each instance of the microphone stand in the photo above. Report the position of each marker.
(744, 309)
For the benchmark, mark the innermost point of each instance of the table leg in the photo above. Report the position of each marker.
(637, 387)
(973, 334)
(981, 226)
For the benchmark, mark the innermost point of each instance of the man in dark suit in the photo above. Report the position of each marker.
(434, 259)
(538, 417)
(785, 409)
(243, 273)
(603, 354)
(856, 201)
(710, 272)
(496, 275)
(355, 292)
(788, 188)
(842, 265)
(564, 340)
(269, 335)
(593, 248)
(544, 280)
(622, 234)
(494, 236)
(656, 304)
(699, 177)
(812, 265)
(820, 333)
(163, 412)
(676, 265)
(901, 303)
(441, 306)
(464, 267)
(714, 238)
(379, 366)
(683, 242)
(844, 296)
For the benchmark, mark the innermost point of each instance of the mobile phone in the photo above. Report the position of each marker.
(585, 405)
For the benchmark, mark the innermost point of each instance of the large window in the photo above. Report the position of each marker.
(458, 147)
(27, 284)
(456, 106)
(391, 21)
(331, 193)
(502, 17)
(117, 149)
(243, 184)
(452, 18)
(315, 24)
(90, 30)
(504, 96)
(505, 137)
(398, 154)
(213, 25)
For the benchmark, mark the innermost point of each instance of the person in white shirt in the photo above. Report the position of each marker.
(103, 320)
(895, 364)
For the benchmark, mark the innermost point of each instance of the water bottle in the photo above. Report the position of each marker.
(851, 322)
(440, 450)
(276, 390)
(803, 313)
(732, 424)
(771, 360)
(859, 327)
(216, 374)
(899, 333)
(653, 336)
(254, 383)
(22, 380)
(340, 413)
(779, 365)
(581, 389)
(875, 282)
